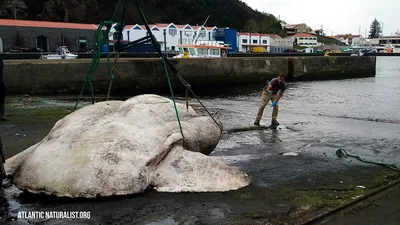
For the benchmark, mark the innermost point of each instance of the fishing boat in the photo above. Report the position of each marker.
(62, 53)
(202, 49)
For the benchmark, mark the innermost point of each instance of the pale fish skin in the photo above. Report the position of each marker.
(126, 147)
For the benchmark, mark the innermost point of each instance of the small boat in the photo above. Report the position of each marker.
(62, 53)
(203, 49)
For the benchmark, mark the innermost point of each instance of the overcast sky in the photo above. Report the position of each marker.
(337, 16)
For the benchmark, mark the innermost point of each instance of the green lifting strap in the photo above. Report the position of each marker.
(157, 47)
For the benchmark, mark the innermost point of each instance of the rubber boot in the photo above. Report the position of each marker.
(274, 123)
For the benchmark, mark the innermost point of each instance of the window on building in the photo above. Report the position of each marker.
(187, 27)
(82, 45)
(202, 33)
(137, 28)
(301, 38)
(172, 31)
(156, 29)
(214, 32)
(255, 41)
(42, 42)
(264, 42)
(244, 41)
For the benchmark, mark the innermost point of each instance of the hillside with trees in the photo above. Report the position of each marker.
(223, 13)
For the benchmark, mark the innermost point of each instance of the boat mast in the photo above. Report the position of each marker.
(199, 29)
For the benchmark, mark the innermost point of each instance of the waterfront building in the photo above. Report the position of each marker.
(279, 44)
(48, 36)
(306, 40)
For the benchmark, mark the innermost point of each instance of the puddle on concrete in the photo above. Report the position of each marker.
(290, 154)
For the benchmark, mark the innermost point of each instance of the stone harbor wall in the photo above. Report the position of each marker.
(67, 76)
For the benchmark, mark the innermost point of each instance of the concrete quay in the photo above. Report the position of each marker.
(139, 74)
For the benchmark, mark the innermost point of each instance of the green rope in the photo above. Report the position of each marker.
(341, 153)
(154, 41)
(172, 95)
(100, 38)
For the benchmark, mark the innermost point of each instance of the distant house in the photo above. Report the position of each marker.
(270, 42)
(351, 40)
(247, 41)
(292, 29)
(306, 40)
(280, 44)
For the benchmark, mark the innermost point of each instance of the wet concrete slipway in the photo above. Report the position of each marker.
(361, 116)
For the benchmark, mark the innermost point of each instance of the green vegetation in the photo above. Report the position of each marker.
(223, 13)
(35, 115)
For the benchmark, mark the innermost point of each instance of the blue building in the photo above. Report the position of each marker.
(228, 36)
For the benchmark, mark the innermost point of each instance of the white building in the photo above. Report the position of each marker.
(247, 41)
(279, 44)
(385, 40)
(270, 42)
(306, 40)
(168, 35)
(351, 40)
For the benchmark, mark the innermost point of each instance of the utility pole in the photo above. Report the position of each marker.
(15, 12)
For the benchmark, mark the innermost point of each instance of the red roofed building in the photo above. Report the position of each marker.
(352, 40)
(270, 42)
(45, 35)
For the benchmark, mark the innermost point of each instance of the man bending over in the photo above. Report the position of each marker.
(272, 91)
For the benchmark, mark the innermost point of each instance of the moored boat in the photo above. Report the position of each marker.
(203, 49)
(62, 53)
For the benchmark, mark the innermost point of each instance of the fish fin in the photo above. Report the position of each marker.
(187, 171)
